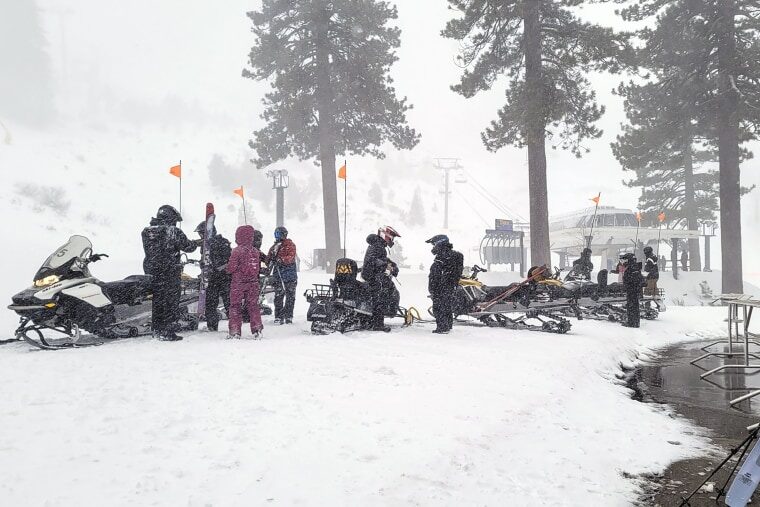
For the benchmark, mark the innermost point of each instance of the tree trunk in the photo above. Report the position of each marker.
(326, 133)
(690, 208)
(536, 135)
(728, 151)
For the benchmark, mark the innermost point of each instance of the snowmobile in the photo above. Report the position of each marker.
(346, 304)
(517, 306)
(66, 300)
(605, 301)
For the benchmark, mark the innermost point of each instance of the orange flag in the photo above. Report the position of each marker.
(239, 191)
(661, 217)
(342, 172)
(638, 216)
(176, 171)
(596, 199)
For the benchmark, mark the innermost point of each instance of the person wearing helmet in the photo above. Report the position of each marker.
(218, 279)
(376, 264)
(632, 281)
(445, 273)
(583, 266)
(652, 269)
(163, 243)
(281, 261)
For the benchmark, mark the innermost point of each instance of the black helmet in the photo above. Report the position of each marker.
(647, 250)
(258, 238)
(586, 252)
(627, 257)
(280, 233)
(168, 214)
(438, 239)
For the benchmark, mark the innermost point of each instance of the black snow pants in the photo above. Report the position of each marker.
(443, 311)
(218, 286)
(284, 299)
(166, 291)
(633, 319)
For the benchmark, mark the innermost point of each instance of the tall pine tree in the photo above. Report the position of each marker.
(546, 51)
(730, 34)
(668, 138)
(26, 91)
(328, 62)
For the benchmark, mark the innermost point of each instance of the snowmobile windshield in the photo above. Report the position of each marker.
(68, 258)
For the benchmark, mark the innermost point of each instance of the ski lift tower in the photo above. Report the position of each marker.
(280, 181)
(447, 165)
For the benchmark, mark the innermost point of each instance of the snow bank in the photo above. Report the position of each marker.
(478, 417)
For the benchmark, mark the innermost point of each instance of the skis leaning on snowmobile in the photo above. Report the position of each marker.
(516, 306)
(346, 304)
(67, 307)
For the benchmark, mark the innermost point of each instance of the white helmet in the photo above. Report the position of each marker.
(388, 233)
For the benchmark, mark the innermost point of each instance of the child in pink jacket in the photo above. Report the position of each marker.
(244, 265)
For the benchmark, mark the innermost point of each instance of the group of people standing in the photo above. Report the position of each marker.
(233, 274)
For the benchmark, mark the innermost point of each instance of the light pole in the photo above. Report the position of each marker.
(708, 231)
(280, 181)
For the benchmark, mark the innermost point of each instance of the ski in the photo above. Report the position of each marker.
(205, 259)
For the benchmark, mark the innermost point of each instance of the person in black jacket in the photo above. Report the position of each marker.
(632, 281)
(651, 266)
(582, 267)
(376, 263)
(164, 243)
(218, 278)
(445, 273)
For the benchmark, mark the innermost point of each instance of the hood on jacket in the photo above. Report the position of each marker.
(374, 239)
(244, 235)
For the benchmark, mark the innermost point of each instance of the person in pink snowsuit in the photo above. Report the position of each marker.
(244, 265)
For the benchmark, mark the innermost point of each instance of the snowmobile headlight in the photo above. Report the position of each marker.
(48, 280)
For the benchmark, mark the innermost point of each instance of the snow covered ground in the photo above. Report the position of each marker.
(478, 417)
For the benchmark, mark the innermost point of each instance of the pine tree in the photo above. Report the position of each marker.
(328, 62)
(546, 52)
(26, 89)
(730, 33)
(416, 214)
(668, 138)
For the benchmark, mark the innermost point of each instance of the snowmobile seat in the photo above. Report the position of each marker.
(345, 281)
(129, 290)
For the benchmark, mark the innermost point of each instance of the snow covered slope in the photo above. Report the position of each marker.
(478, 417)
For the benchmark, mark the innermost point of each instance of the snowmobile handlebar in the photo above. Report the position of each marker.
(96, 257)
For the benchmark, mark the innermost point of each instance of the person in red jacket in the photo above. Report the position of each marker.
(244, 266)
(282, 261)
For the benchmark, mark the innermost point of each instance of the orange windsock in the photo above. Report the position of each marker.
(596, 199)
(176, 171)
(638, 216)
(239, 191)
(342, 172)
(661, 217)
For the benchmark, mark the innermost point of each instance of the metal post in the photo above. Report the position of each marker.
(522, 254)
(280, 196)
(446, 165)
(280, 181)
(707, 254)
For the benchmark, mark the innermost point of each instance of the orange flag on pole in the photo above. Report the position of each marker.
(596, 199)
(638, 216)
(661, 217)
(239, 191)
(342, 172)
(176, 171)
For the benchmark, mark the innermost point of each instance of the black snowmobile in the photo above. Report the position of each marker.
(65, 299)
(522, 305)
(345, 304)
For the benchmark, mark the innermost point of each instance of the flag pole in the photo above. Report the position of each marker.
(345, 207)
(638, 224)
(593, 221)
(245, 213)
(180, 192)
